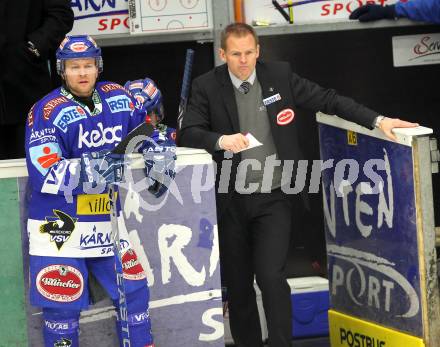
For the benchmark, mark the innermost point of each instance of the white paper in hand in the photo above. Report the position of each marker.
(253, 142)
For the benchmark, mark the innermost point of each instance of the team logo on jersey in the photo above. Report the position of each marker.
(63, 343)
(45, 155)
(61, 283)
(108, 87)
(69, 115)
(131, 267)
(51, 104)
(99, 137)
(285, 116)
(59, 228)
(120, 103)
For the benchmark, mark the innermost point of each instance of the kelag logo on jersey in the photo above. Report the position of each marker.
(120, 103)
(44, 156)
(68, 116)
(59, 228)
(99, 137)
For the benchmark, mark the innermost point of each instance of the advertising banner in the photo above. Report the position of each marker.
(370, 226)
(305, 11)
(100, 17)
(422, 49)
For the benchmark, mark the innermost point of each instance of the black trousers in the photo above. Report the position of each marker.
(254, 235)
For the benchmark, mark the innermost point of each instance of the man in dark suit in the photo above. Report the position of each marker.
(30, 31)
(247, 96)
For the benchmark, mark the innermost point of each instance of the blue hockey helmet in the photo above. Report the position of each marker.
(148, 97)
(77, 47)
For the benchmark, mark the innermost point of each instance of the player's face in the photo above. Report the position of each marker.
(81, 75)
(241, 55)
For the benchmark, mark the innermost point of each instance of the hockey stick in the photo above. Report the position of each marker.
(144, 129)
(123, 310)
(185, 85)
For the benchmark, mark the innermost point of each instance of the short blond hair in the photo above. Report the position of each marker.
(239, 30)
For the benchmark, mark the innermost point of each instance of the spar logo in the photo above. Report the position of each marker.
(285, 116)
(60, 283)
(131, 267)
(426, 46)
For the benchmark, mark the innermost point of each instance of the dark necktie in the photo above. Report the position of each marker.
(244, 87)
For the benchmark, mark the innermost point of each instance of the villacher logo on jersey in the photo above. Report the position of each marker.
(61, 283)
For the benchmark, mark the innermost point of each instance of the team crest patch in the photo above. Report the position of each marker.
(59, 228)
(60, 283)
(285, 116)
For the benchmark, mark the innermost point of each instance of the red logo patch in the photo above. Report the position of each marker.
(61, 283)
(131, 267)
(50, 106)
(285, 116)
(78, 47)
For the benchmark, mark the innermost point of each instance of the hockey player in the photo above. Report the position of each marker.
(69, 229)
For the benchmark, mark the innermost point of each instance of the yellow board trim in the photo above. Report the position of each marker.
(346, 331)
(93, 204)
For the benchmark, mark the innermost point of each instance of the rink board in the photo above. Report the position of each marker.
(379, 227)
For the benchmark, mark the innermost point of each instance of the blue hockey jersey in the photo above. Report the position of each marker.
(419, 10)
(63, 221)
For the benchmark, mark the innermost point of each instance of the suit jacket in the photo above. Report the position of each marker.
(24, 78)
(212, 112)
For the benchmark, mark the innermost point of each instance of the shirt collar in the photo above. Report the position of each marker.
(237, 82)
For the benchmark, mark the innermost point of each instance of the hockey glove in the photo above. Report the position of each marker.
(371, 12)
(159, 161)
(102, 167)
